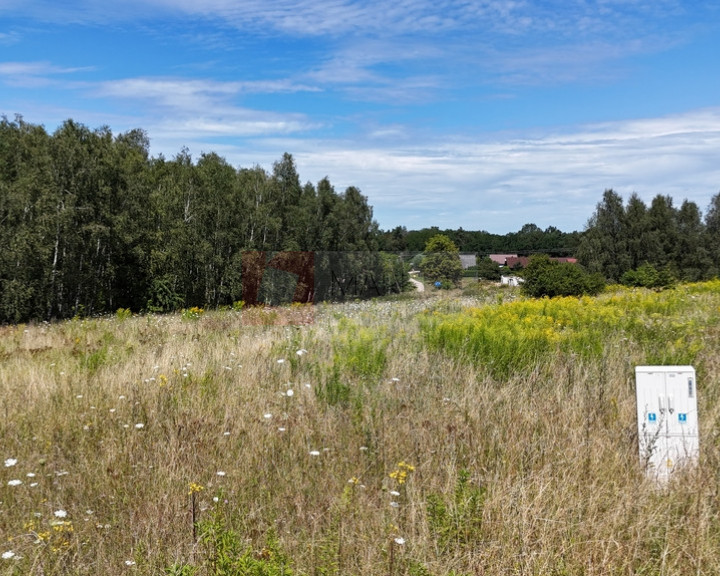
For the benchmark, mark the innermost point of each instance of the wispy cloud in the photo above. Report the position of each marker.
(180, 110)
(34, 74)
(497, 182)
(8, 38)
(562, 18)
(193, 93)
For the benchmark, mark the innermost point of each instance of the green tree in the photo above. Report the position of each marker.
(712, 235)
(690, 255)
(441, 262)
(638, 231)
(604, 245)
(663, 232)
(26, 223)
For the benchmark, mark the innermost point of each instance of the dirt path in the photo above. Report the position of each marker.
(419, 286)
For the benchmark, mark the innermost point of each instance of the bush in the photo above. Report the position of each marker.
(647, 276)
(546, 277)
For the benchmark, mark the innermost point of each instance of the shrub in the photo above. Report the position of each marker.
(546, 277)
(647, 276)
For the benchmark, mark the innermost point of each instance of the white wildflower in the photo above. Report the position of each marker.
(10, 462)
(60, 513)
(399, 540)
(139, 425)
(314, 453)
(14, 482)
(8, 555)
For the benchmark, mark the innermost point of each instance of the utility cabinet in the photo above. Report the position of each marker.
(667, 417)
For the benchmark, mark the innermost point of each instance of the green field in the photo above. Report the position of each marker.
(436, 434)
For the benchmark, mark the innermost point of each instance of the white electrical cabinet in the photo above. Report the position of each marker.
(667, 417)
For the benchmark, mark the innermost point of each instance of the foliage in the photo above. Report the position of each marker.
(193, 313)
(620, 239)
(647, 276)
(91, 223)
(441, 262)
(456, 520)
(227, 555)
(488, 270)
(516, 336)
(546, 277)
(530, 238)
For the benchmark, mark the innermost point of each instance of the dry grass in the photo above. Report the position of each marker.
(536, 473)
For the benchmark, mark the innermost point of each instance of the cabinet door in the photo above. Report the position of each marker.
(651, 413)
(682, 403)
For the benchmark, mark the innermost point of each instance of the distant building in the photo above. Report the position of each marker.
(468, 260)
(517, 262)
(500, 259)
(511, 280)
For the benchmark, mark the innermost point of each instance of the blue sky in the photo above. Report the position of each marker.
(485, 114)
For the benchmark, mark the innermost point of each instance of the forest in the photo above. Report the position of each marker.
(90, 223)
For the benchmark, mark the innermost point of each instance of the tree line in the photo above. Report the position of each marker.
(528, 240)
(90, 222)
(621, 239)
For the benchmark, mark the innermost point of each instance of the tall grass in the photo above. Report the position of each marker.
(422, 437)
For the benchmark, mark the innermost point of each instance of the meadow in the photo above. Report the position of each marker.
(429, 435)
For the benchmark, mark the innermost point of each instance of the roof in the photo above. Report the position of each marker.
(522, 261)
(515, 261)
(501, 258)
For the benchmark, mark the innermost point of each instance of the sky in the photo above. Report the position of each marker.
(485, 115)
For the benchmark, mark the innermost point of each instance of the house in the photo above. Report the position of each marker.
(517, 261)
(500, 259)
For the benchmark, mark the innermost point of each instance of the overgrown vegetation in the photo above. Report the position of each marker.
(546, 277)
(429, 436)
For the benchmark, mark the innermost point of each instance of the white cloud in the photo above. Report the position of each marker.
(34, 74)
(177, 109)
(501, 184)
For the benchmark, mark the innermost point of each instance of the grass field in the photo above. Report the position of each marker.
(477, 433)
